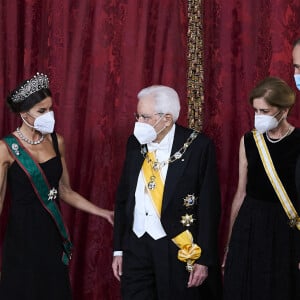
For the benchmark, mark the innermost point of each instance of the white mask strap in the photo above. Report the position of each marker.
(29, 125)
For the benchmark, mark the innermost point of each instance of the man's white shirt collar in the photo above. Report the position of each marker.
(165, 144)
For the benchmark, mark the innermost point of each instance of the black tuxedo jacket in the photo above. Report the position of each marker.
(195, 173)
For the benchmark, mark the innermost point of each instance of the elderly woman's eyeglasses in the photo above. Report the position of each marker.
(145, 117)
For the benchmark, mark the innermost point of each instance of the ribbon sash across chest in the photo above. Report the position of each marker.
(44, 192)
(294, 220)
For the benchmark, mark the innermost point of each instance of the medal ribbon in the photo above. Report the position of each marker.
(153, 181)
(275, 180)
(42, 189)
(189, 251)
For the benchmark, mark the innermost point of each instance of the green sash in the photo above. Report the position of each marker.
(44, 192)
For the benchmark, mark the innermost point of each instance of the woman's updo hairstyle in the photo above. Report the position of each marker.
(275, 91)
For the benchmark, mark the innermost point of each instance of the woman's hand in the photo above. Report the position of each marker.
(109, 216)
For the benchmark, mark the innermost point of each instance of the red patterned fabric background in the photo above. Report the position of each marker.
(244, 41)
(99, 54)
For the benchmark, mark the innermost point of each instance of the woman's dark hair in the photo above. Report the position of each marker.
(28, 102)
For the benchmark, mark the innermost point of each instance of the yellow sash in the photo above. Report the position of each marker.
(153, 181)
(275, 180)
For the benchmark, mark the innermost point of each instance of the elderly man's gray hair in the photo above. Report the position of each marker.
(166, 99)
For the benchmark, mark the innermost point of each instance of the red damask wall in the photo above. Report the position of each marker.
(99, 54)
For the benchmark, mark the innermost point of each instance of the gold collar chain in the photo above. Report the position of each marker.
(177, 155)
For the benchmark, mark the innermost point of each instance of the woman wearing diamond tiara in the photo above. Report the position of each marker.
(263, 259)
(37, 247)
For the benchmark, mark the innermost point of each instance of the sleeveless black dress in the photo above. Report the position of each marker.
(264, 251)
(32, 267)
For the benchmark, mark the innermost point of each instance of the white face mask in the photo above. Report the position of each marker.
(44, 123)
(144, 133)
(297, 81)
(263, 123)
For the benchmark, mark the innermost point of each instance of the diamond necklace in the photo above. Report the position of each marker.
(278, 140)
(27, 140)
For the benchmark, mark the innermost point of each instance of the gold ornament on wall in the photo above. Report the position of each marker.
(195, 78)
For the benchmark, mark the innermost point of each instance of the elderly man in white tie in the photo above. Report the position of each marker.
(167, 207)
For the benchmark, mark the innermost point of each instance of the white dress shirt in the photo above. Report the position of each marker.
(145, 215)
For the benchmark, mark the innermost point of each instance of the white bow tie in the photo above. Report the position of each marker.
(158, 146)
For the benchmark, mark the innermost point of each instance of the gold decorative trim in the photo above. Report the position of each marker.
(195, 80)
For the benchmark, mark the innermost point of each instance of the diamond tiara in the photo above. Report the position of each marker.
(36, 83)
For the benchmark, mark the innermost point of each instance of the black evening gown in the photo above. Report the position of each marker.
(264, 250)
(32, 267)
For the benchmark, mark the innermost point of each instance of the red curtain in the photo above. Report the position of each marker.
(244, 42)
(100, 53)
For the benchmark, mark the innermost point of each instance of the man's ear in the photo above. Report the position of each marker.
(169, 119)
(287, 111)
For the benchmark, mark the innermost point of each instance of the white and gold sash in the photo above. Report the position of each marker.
(275, 180)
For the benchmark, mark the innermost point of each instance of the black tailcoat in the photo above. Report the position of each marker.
(195, 173)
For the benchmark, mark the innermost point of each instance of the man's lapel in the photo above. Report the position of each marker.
(175, 168)
(136, 160)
